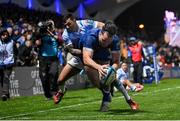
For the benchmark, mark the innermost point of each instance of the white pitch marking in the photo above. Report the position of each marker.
(70, 106)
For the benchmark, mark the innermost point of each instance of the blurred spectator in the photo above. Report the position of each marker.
(124, 50)
(135, 48)
(25, 55)
(48, 61)
(16, 33)
(169, 56)
(10, 31)
(123, 76)
(6, 62)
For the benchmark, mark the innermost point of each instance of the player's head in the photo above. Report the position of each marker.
(69, 21)
(132, 40)
(50, 24)
(124, 66)
(110, 28)
(107, 33)
(4, 33)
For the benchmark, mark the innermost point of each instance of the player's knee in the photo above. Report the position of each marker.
(60, 82)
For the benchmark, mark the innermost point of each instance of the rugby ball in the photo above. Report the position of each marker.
(110, 76)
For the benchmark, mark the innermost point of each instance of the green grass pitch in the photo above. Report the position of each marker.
(157, 102)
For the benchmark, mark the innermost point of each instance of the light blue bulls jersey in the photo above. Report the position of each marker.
(74, 37)
(122, 75)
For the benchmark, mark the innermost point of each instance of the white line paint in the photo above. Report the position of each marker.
(80, 104)
(83, 117)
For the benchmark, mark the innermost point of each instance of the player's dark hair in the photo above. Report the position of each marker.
(67, 16)
(3, 30)
(110, 27)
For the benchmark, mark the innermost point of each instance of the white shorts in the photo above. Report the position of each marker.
(74, 61)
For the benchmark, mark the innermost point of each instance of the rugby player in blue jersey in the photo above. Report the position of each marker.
(100, 50)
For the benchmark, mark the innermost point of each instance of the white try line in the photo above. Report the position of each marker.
(80, 104)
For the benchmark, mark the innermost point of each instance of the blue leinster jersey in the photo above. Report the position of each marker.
(90, 41)
(74, 37)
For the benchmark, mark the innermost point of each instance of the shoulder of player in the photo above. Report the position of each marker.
(119, 70)
(65, 33)
(84, 22)
(90, 38)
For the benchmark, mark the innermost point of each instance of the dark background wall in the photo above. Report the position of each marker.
(150, 13)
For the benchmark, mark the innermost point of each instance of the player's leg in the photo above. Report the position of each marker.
(112, 90)
(67, 72)
(74, 66)
(93, 75)
(132, 104)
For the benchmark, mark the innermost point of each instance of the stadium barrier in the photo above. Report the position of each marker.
(25, 81)
(170, 72)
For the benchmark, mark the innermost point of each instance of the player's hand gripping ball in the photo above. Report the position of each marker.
(110, 76)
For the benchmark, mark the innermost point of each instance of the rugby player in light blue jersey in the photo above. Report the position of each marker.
(123, 77)
(74, 30)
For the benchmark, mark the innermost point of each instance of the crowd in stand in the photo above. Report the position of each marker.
(22, 26)
(169, 56)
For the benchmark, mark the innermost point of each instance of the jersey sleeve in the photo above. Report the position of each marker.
(88, 24)
(115, 44)
(66, 38)
(121, 76)
(92, 23)
(89, 43)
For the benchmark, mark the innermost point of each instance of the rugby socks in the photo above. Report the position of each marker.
(120, 87)
(106, 96)
(62, 86)
(106, 92)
